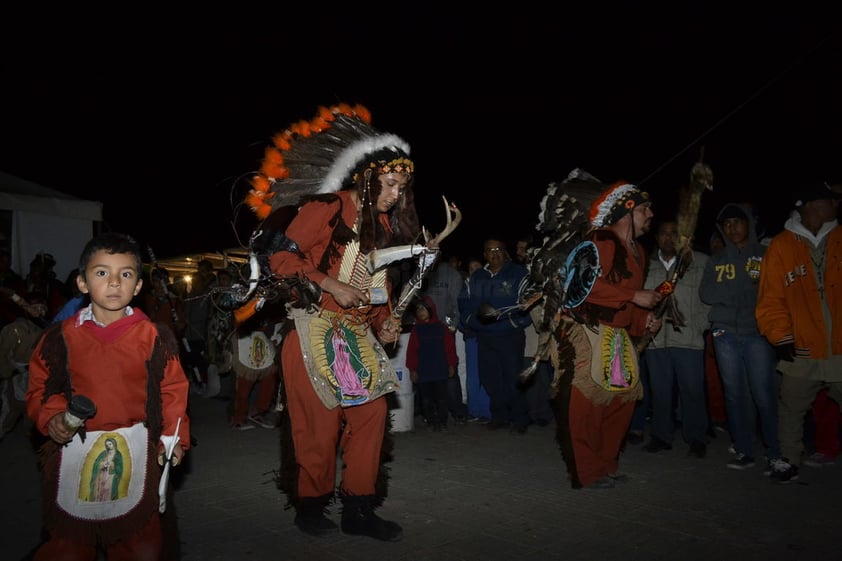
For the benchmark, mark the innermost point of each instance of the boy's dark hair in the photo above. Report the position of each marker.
(111, 242)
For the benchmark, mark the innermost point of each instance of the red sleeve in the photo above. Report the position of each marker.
(450, 347)
(39, 412)
(412, 352)
(175, 389)
(311, 231)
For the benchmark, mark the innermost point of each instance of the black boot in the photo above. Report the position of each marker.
(358, 518)
(310, 516)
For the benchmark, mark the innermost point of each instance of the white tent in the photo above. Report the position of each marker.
(37, 219)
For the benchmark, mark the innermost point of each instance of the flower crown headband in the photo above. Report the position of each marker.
(321, 155)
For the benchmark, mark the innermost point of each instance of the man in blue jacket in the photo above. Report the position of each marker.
(489, 307)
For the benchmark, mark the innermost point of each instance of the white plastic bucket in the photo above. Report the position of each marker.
(403, 416)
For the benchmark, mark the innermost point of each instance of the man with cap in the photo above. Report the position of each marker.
(605, 384)
(799, 303)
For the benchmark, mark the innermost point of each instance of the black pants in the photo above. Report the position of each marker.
(458, 409)
(434, 401)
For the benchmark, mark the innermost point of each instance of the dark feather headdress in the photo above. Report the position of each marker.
(563, 271)
(565, 266)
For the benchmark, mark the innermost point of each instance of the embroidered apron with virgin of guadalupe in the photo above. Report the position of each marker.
(103, 476)
(606, 363)
(103, 485)
(345, 363)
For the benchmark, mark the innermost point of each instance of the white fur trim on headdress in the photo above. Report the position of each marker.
(354, 154)
(606, 206)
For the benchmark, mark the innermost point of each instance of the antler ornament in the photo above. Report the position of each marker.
(427, 255)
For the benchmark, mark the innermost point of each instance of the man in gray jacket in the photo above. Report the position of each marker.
(676, 353)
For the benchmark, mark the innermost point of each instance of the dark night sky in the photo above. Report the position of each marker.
(156, 113)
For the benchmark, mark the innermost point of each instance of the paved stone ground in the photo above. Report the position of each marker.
(470, 494)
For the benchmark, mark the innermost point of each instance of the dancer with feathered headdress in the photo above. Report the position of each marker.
(589, 276)
(352, 191)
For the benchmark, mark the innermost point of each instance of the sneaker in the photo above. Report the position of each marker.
(495, 425)
(697, 449)
(732, 450)
(817, 460)
(245, 425)
(266, 421)
(602, 483)
(741, 461)
(634, 437)
(619, 477)
(783, 472)
(656, 445)
(774, 464)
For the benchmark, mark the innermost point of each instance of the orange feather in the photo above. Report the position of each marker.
(281, 140)
(318, 124)
(326, 114)
(273, 164)
(260, 183)
(363, 113)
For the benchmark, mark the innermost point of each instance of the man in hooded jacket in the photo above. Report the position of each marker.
(745, 358)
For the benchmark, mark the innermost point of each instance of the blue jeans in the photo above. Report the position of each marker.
(478, 403)
(747, 365)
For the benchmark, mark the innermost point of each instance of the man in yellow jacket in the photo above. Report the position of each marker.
(798, 305)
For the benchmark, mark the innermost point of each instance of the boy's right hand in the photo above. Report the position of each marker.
(58, 431)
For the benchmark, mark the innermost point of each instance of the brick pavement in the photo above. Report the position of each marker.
(477, 495)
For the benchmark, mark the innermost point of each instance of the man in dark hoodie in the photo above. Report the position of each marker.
(746, 359)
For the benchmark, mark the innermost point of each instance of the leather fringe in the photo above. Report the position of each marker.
(102, 532)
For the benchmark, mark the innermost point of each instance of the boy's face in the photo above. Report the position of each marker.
(737, 230)
(111, 280)
(422, 313)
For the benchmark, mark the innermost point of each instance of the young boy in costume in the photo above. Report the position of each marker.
(112, 358)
